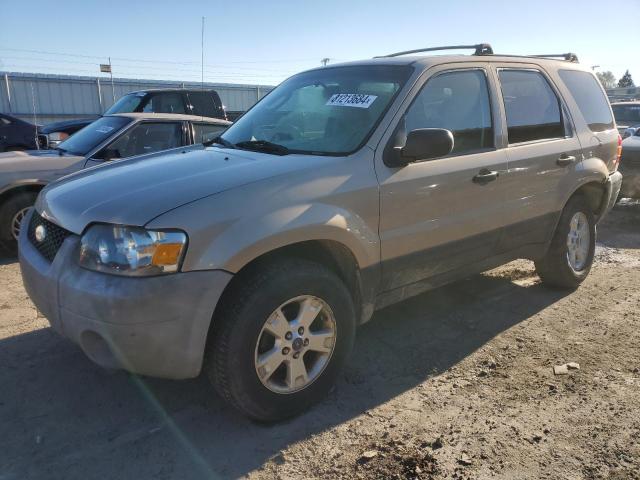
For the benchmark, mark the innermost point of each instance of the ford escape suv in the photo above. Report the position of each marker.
(345, 189)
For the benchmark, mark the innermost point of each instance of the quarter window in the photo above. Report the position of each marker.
(592, 103)
(459, 102)
(533, 109)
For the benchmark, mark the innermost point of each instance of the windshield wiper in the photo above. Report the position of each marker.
(220, 141)
(263, 146)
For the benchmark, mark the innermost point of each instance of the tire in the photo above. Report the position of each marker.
(557, 269)
(8, 211)
(235, 341)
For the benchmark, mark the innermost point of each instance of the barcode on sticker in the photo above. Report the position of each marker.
(358, 100)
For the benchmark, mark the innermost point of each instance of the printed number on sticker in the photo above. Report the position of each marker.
(358, 100)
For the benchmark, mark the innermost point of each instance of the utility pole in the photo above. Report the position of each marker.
(324, 61)
(593, 67)
(113, 91)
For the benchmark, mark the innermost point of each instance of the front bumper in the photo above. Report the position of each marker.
(154, 326)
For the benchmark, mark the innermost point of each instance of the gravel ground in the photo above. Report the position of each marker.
(456, 383)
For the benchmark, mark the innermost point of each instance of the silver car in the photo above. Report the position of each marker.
(24, 174)
(345, 189)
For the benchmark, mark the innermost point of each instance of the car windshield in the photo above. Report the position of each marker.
(325, 111)
(626, 114)
(93, 135)
(127, 104)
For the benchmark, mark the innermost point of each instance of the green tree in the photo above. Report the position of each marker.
(626, 80)
(606, 79)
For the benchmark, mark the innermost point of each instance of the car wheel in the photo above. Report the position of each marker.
(11, 214)
(570, 255)
(280, 339)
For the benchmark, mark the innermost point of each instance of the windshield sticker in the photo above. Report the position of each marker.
(358, 100)
(104, 129)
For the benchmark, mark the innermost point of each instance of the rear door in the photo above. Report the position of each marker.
(439, 215)
(543, 151)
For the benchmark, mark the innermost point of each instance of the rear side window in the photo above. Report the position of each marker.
(459, 102)
(587, 93)
(165, 103)
(532, 108)
(206, 104)
(204, 132)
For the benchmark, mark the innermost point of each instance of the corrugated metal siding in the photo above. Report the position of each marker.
(60, 97)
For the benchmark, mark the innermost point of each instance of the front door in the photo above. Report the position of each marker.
(442, 214)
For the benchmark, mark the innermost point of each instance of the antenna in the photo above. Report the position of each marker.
(202, 56)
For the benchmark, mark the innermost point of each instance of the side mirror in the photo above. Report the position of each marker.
(109, 154)
(421, 144)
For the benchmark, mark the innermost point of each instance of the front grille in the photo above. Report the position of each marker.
(53, 238)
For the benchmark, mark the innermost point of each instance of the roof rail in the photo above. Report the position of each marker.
(480, 49)
(569, 57)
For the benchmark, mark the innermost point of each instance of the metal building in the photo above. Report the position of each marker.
(43, 98)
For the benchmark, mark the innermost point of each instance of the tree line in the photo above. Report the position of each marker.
(608, 80)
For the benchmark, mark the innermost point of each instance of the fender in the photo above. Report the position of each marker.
(30, 182)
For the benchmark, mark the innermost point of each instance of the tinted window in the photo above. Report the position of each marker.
(627, 114)
(93, 135)
(587, 93)
(330, 110)
(206, 104)
(146, 138)
(164, 103)
(459, 102)
(203, 132)
(532, 107)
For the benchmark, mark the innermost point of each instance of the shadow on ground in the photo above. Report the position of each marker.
(621, 227)
(62, 417)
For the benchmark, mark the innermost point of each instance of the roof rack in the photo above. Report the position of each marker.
(480, 49)
(569, 57)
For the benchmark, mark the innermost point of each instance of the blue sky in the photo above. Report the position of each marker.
(248, 41)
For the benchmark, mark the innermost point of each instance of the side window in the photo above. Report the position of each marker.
(203, 132)
(204, 104)
(532, 107)
(459, 102)
(586, 91)
(146, 137)
(165, 103)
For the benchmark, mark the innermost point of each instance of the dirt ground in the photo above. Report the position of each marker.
(457, 383)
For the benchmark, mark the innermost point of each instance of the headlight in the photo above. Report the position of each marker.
(56, 137)
(131, 251)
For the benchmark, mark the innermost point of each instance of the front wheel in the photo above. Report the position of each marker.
(570, 256)
(280, 339)
(11, 214)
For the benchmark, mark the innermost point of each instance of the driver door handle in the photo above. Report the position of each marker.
(565, 160)
(485, 176)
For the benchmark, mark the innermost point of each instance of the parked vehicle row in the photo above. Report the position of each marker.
(111, 137)
(203, 103)
(346, 189)
(627, 115)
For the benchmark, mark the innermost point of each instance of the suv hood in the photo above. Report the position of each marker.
(136, 190)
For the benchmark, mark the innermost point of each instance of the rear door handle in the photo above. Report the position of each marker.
(485, 176)
(565, 160)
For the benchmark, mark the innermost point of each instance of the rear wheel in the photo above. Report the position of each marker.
(12, 213)
(570, 256)
(281, 339)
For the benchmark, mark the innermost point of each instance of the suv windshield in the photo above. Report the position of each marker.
(626, 114)
(127, 104)
(326, 111)
(93, 135)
